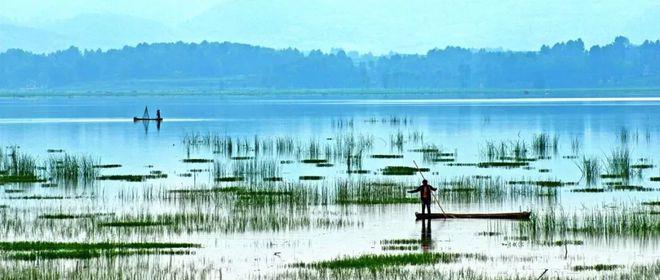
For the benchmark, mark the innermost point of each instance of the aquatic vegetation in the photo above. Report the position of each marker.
(505, 164)
(314, 161)
(515, 151)
(590, 169)
(369, 192)
(72, 169)
(241, 158)
(196, 160)
(38, 250)
(376, 261)
(113, 165)
(403, 170)
(589, 190)
(16, 167)
(229, 179)
(624, 221)
(543, 183)
(131, 178)
(560, 243)
(400, 248)
(63, 216)
(597, 267)
(310, 177)
(543, 143)
(386, 156)
(47, 245)
(618, 164)
(90, 254)
(651, 203)
(38, 197)
(400, 241)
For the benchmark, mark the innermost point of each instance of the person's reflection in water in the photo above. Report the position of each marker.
(426, 240)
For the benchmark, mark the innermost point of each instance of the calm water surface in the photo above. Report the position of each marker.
(102, 126)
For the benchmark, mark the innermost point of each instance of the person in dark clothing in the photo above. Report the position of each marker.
(425, 195)
(158, 114)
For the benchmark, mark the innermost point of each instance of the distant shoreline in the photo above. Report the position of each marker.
(491, 95)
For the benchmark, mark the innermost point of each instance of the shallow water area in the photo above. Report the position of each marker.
(262, 183)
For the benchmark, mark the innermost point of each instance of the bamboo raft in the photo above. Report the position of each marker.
(504, 216)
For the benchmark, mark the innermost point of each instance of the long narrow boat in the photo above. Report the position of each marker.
(508, 216)
(136, 119)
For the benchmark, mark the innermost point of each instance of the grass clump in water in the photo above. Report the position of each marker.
(367, 192)
(403, 170)
(35, 250)
(651, 203)
(618, 165)
(379, 261)
(112, 165)
(197, 160)
(504, 164)
(136, 223)
(132, 178)
(314, 161)
(597, 267)
(382, 156)
(590, 169)
(310, 178)
(46, 245)
(400, 241)
(400, 248)
(589, 190)
(229, 179)
(560, 243)
(65, 216)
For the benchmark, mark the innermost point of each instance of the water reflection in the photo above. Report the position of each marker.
(426, 239)
(146, 125)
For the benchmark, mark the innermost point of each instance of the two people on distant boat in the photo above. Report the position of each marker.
(425, 195)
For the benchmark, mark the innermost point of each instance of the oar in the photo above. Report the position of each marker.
(434, 196)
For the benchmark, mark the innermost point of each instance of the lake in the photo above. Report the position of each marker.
(276, 186)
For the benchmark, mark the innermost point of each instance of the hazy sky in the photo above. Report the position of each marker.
(370, 25)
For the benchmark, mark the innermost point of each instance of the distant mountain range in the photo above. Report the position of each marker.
(368, 25)
(90, 31)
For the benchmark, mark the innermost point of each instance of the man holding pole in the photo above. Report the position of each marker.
(425, 195)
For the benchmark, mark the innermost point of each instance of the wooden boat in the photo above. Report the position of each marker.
(145, 117)
(136, 119)
(507, 216)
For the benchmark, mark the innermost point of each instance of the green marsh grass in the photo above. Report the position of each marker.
(403, 170)
(386, 156)
(597, 267)
(47, 245)
(111, 165)
(618, 164)
(400, 248)
(379, 261)
(131, 178)
(623, 221)
(72, 169)
(370, 192)
(197, 160)
(543, 143)
(590, 169)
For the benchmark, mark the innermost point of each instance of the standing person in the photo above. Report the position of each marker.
(425, 195)
(158, 114)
